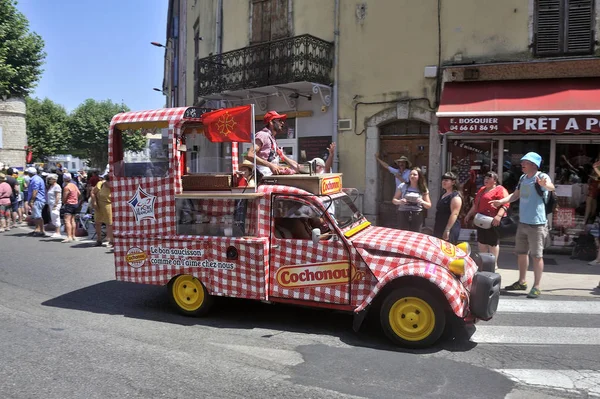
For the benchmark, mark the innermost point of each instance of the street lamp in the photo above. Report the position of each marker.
(157, 89)
(157, 44)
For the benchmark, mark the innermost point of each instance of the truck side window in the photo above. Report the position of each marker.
(293, 219)
(142, 153)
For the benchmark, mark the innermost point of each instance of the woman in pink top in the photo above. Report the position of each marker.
(5, 205)
(71, 205)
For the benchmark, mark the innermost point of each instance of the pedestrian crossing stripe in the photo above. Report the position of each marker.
(525, 335)
(568, 380)
(555, 307)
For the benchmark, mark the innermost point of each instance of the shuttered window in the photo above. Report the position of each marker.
(270, 20)
(564, 27)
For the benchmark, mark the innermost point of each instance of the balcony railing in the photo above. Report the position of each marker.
(296, 59)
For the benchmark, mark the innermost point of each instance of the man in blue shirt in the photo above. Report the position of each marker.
(533, 228)
(37, 200)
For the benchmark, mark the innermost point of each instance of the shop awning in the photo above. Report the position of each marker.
(526, 106)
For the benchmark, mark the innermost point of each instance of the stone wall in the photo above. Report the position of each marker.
(14, 136)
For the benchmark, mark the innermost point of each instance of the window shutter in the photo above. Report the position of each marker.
(279, 19)
(261, 21)
(548, 27)
(579, 24)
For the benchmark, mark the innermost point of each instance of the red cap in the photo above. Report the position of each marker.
(269, 116)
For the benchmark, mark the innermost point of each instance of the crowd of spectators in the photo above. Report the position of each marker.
(56, 202)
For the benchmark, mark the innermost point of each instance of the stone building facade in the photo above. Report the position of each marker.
(13, 135)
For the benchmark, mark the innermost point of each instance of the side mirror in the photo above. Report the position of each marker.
(316, 236)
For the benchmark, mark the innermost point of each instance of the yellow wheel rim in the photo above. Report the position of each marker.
(412, 319)
(188, 293)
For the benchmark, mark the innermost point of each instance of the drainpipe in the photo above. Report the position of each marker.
(336, 52)
(219, 28)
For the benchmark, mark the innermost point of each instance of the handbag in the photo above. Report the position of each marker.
(507, 227)
(483, 221)
(46, 216)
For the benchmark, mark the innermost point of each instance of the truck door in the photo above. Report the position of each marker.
(300, 269)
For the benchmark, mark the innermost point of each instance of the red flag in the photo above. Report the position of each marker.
(229, 124)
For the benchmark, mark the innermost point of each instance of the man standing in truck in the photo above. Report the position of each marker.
(265, 149)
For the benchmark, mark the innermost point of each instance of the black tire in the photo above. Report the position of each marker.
(189, 295)
(412, 317)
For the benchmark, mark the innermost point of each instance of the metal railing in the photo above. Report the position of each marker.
(295, 59)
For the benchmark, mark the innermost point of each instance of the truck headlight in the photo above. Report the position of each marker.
(465, 246)
(457, 266)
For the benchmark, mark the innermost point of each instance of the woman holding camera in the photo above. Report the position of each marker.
(412, 197)
(447, 225)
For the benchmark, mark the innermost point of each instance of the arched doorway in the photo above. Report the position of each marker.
(398, 138)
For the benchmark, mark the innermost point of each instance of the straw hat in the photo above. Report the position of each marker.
(403, 159)
(2, 177)
(248, 164)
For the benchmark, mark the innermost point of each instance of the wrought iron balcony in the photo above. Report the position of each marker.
(296, 59)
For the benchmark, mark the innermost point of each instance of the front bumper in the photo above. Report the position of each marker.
(485, 294)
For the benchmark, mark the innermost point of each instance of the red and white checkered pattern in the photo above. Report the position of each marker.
(245, 280)
(393, 253)
(174, 116)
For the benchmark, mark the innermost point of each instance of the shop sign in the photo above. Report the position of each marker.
(521, 124)
(563, 217)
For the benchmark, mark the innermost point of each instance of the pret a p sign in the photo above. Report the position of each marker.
(142, 204)
(521, 124)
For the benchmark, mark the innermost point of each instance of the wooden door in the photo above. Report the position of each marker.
(416, 149)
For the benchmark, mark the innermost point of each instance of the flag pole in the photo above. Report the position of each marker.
(252, 131)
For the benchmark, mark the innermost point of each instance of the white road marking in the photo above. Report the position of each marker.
(536, 335)
(571, 380)
(553, 307)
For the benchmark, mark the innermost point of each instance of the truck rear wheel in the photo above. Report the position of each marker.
(412, 317)
(189, 295)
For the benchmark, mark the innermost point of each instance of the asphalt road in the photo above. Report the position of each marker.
(69, 330)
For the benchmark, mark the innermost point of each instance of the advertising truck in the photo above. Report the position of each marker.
(297, 239)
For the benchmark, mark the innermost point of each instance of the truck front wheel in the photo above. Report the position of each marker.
(412, 317)
(189, 295)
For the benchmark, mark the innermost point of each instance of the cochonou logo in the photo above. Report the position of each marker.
(142, 205)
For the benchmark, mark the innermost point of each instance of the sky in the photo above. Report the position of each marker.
(100, 49)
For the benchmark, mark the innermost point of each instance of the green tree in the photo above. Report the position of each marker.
(47, 128)
(21, 52)
(89, 124)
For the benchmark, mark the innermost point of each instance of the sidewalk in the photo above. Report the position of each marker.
(562, 275)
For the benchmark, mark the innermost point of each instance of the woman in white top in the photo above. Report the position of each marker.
(54, 201)
(412, 198)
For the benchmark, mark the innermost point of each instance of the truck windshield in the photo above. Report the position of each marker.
(342, 209)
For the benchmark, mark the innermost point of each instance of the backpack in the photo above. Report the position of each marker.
(551, 203)
(585, 247)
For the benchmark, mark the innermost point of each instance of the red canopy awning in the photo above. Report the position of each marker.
(527, 106)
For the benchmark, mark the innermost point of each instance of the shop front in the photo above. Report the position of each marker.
(491, 125)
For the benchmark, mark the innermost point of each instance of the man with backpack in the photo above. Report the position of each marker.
(534, 192)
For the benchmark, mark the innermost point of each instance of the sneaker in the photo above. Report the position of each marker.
(56, 235)
(595, 262)
(534, 293)
(2, 230)
(66, 240)
(516, 286)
